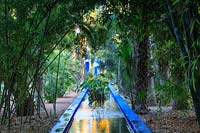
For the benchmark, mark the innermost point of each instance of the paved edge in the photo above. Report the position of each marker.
(65, 120)
(136, 124)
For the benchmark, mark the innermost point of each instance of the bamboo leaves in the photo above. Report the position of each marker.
(58, 82)
(29, 33)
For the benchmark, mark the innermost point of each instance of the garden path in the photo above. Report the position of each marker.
(43, 124)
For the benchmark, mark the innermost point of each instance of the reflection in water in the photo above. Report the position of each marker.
(99, 119)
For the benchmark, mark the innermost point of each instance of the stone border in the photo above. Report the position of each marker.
(135, 123)
(64, 122)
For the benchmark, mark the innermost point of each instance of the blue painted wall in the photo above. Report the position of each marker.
(87, 67)
(87, 64)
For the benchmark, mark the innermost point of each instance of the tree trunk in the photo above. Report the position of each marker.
(141, 79)
(119, 80)
(196, 102)
(194, 90)
(0, 91)
(152, 101)
(118, 72)
(39, 83)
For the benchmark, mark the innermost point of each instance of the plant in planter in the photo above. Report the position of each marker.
(98, 87)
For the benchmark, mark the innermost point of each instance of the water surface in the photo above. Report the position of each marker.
(106, 118)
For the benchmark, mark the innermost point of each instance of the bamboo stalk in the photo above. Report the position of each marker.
(57, 74)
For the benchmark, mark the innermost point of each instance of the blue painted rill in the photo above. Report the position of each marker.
(62, 125)
(103, 117)
(113, 116)
(137, 125)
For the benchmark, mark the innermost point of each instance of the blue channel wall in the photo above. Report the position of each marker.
(64, 122)
(136, 124)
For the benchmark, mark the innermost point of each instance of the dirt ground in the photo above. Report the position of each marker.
(43, 124)
(170, 121)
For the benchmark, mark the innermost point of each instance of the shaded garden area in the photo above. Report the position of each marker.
(149, 50)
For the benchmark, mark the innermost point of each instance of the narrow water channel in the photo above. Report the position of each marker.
(106, 118)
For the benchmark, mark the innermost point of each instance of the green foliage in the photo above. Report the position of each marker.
(98, 87)
(169, 86)
(168, 91)
(68, 73)
(164, 93)
(31, 30)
